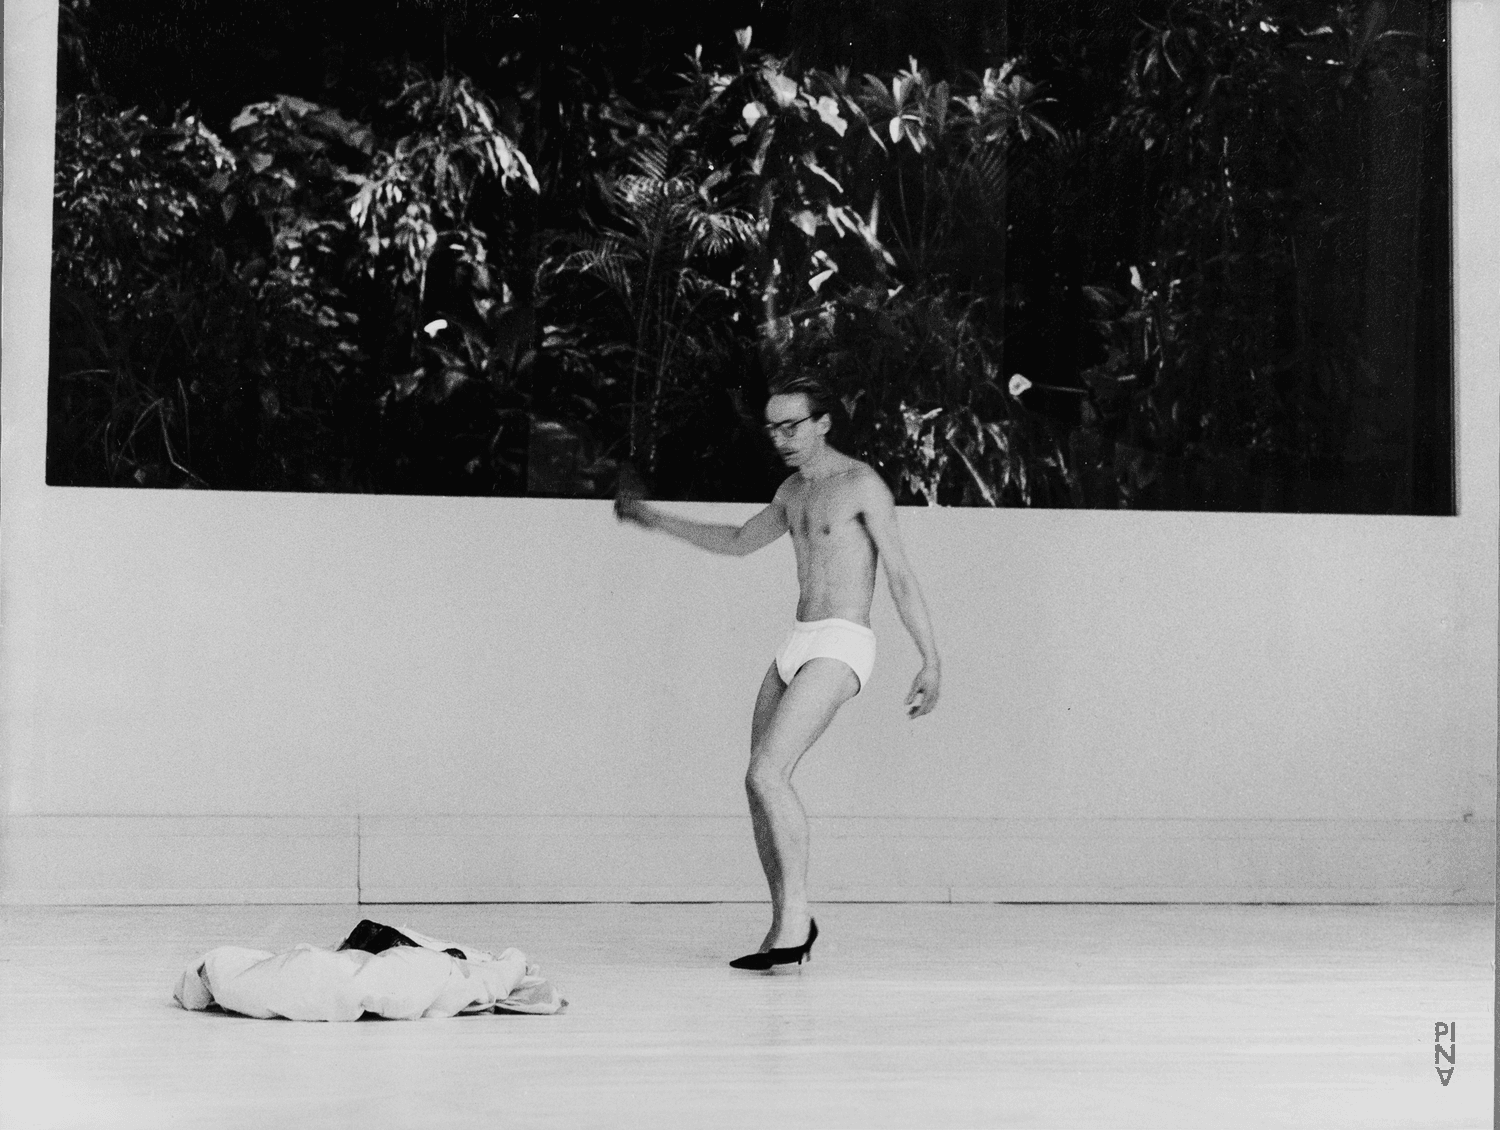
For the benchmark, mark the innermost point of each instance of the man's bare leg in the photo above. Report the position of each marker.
(787, 722)
(771, 690)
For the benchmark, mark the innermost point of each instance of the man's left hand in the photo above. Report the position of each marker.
(924, 692)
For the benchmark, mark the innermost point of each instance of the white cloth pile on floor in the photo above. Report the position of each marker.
(395, 973)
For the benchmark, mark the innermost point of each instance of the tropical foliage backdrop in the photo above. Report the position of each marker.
(1117, 253)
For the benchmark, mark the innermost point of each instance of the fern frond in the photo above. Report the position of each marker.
(653, 158)
(716, 233)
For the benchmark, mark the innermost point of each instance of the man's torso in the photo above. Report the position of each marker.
(835, 554)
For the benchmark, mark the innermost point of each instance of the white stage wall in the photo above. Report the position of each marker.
(263, 697)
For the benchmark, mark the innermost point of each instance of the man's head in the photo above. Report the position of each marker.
(799, 416)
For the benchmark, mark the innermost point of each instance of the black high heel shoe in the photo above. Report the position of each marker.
(786, 955)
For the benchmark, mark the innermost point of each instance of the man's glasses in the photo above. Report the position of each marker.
(786, 429)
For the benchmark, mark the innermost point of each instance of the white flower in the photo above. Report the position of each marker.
(828, 110)
(431, 328)
(783, 88)
(1135, 279)
(1018, 384)
(752, 113)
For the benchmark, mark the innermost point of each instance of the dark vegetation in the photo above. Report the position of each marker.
(1178, 253)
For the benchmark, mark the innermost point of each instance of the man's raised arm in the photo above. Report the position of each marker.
(735, 541)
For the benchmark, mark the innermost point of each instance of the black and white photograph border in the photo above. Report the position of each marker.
(1200, 834)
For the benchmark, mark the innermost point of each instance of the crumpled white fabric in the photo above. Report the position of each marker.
(401, 983)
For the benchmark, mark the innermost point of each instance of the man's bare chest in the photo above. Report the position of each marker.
(817, 516)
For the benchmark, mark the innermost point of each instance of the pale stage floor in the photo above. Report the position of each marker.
(918, 1016)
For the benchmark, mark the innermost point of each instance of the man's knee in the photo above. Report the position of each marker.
(762, 777)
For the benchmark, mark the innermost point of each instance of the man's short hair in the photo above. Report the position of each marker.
(821, 400)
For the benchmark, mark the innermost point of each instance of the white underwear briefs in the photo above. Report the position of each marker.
(843, 640)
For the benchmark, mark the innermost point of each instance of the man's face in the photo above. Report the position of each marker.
(792, 428)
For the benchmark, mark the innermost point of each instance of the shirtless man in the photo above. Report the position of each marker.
(842, 519)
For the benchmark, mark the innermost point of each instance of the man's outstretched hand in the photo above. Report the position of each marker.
(924, 692)
(630, 493)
